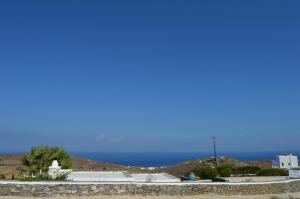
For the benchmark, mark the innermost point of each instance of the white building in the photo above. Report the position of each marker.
(286, 162)
(109, 176)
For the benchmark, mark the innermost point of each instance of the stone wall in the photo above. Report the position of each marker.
(67, 189)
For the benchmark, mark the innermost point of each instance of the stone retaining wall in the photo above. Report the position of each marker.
(87, 189)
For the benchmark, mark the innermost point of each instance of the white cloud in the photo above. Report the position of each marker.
(116, 139)
(107, 138)
(100, 137)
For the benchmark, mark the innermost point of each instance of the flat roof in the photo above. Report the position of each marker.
(119, 176)
(105, 176)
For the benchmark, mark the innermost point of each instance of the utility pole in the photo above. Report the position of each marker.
(215, 152)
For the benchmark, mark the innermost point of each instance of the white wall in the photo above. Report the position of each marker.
(294, 173)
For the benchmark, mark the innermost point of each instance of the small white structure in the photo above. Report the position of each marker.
(294, 173)
(286, 162)
(54, 165)
(109, 176)
(55, 170)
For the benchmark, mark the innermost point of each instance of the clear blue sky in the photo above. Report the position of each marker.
(150, 75)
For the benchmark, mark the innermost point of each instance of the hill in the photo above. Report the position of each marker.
(12, 165)
(183, 167)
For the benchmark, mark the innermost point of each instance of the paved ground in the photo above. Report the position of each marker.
(280, 196)
(257, 179)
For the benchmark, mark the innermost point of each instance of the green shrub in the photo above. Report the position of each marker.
(272, 172)
(205, 172)
(2, 177)
(225, 171)
(247, 170)
(27, 179)
(40, 158)
(44, 177)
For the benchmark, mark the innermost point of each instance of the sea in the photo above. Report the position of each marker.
(157, 159)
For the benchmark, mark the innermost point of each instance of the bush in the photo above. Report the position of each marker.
(2, 177)
(247, 170)
(205, 172)
(44, 177)
(40, 158)
(272, 172)
(225, 171)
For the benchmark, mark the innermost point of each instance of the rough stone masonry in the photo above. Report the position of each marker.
(88, 189)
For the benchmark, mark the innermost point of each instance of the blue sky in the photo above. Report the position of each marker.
(152, 76)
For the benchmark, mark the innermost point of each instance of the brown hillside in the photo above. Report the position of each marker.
(12, 165)
(183, 168)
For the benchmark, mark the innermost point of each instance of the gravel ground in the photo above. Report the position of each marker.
(279, 196)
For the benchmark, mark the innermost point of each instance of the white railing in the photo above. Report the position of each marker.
(294, 173)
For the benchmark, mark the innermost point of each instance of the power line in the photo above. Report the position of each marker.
(215, 151)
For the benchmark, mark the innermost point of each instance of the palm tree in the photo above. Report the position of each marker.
(40, 158)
